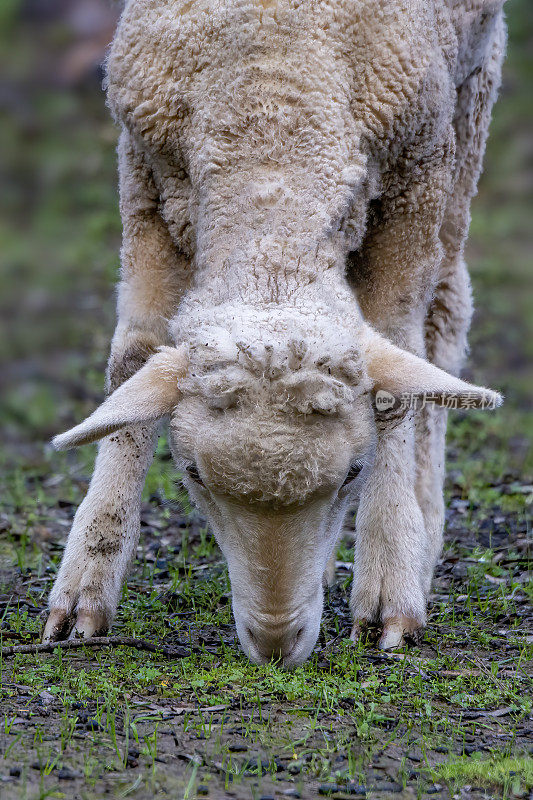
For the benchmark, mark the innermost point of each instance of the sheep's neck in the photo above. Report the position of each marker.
(270, 269)
(269, 241)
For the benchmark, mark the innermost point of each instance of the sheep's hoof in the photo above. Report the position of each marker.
(399, 630)
(81, 625)
(58, 625)
(88, 624)
(359, 628)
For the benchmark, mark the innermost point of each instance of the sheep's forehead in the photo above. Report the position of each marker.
(273, 459)
(274, 405)
(266, 454)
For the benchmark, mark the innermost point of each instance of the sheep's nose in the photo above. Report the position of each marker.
(279, 642)
(288, 636)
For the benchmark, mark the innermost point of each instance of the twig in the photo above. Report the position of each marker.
(179, 651)
(341, 635)
(494, 678)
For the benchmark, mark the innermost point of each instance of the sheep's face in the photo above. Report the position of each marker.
(272, 455)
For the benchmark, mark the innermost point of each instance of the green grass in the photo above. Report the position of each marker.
(337, 703)
(512, 774)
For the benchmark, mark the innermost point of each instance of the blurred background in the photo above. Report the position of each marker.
(60, 237)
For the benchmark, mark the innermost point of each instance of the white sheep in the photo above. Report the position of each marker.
(295, 181)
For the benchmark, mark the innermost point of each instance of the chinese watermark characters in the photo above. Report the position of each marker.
(414, 401)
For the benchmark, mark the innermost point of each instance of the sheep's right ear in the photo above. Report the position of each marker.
(145, 397)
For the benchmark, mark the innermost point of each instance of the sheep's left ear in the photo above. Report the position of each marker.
(147, 396)
(409, 378)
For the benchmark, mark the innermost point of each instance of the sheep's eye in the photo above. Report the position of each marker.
(353, 472)
(193, 473)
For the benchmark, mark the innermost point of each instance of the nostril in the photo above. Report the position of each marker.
(299, 635)
(251, 634)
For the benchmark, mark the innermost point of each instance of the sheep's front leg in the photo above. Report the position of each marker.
(449, 315)
(390, 548)
(394, 275)
(105, 530)
(103, 538)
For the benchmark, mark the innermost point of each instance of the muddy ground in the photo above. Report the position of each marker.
(354, 721)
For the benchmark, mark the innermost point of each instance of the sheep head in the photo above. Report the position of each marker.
(274, 434)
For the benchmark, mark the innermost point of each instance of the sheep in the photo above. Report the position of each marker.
(295, 182)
